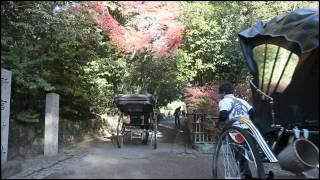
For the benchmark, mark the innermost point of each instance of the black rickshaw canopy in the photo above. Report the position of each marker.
(298, 33)
(298, 30)
(135, 103)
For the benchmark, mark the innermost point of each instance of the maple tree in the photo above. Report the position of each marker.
(204, 98)
(153, 26)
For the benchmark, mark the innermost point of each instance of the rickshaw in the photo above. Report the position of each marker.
(136, 117)
(283, 58)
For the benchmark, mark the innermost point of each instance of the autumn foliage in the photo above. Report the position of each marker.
(206, 98)
(152, 26)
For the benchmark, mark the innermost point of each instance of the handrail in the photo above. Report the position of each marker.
(261, 92)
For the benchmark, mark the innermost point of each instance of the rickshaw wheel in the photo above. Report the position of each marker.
(231, 150)
(120, 132)
(155, 129)
(145, 141)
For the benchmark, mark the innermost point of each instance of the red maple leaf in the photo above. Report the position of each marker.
(154, 26)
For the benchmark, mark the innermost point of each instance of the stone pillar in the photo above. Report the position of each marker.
(5, 112)
(51, 125)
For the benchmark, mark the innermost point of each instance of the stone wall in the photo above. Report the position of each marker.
(27, 139)
(24, 139)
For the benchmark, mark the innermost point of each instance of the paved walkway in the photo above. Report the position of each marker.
(100, 158)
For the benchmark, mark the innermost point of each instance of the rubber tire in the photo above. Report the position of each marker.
(119, 142)
(145, 141)
(155, 125)
(260, 169)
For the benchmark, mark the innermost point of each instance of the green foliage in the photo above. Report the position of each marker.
(62, 52)
(28, 117)
(156, 75)
(211, 51)
(186, 72)
(106, 74)
(265, 10)
(48, 52)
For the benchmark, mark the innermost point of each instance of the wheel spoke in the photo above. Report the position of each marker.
(233, 157)
(236, 147)
(226, 172)
(228, 157)
(229, 161)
